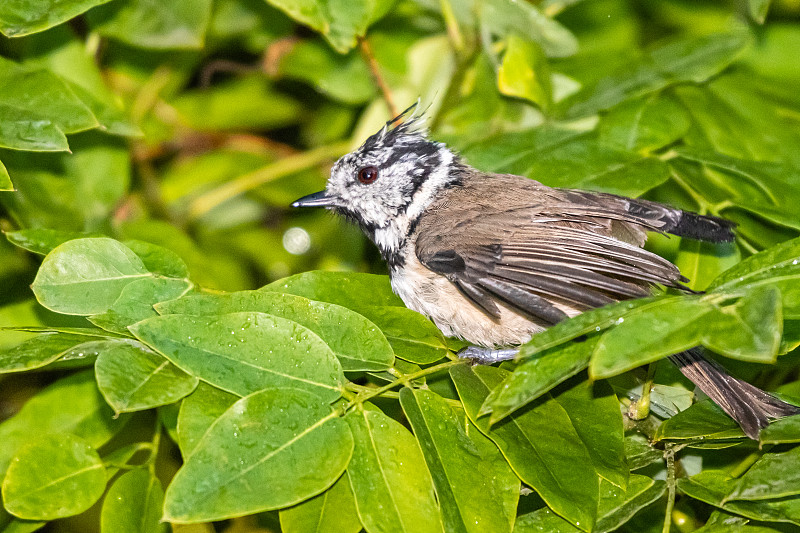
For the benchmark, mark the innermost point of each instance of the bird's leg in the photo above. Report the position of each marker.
(487, 356)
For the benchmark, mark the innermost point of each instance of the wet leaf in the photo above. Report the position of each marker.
(353, 290)
(391, 484)
(332, 511)
(133, 505)
(412, 336)
(40, 351)
(245, 352)
(476, 488)
(132, 377)
(198, 412)
(356, 342)
(53, 477)
(86, 276)
(136, 300)
(614, 508)
(559, 468)
(286, 439)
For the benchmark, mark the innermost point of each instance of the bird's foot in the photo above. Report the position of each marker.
(487, 356)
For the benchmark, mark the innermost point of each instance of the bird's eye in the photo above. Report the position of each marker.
(367, 175)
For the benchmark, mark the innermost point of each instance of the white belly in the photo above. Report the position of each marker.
(437, 298)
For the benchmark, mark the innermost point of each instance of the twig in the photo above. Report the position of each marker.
(374, 68)
(223, 65)
(407, 378)
(283, 167)
(669, 455)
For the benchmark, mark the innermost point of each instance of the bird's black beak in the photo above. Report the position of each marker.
(317, 199)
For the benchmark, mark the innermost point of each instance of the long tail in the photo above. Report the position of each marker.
(750, 406)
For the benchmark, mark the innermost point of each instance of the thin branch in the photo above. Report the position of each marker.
(283, 167)
(374, 68)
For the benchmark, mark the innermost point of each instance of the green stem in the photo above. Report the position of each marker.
(669, 455)
(154, 444)
(283, 167)
(406, 379)
(749, 461)
(702, 203)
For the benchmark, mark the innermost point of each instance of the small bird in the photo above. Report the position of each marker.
(495, 258)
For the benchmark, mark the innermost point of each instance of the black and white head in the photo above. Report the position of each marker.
(387, 183)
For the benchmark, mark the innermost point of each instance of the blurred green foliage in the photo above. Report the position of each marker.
(149, 152)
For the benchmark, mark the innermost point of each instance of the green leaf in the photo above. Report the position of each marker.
(353, 290)
(5, 179)
(391, 484)
(559, 468)
(333, 511)
(38, 109)
(781, 431)
(704, 420)
(644, 124)
(39, 351)
(70, 405)
(343, 78)
(711, 486)
(44, 240)
(86, 276)
(524, 72)
(692, 59)
(133, 505)
(640, 453)
(19, 17)
(562, 159)
(132, 377)
(154, 25)
(770, 190)
(590, 321)
(594, 411)
(778, 266)
(701, 262)
(340, 21)
(159, 260)
(412, 336)
(355, 341)
(503, 18)
(198, 412)
(244, 103)
(136, 301)
(63, 53)
(76, 191)
(245, 352)
(649, 333)
(614, 508)
(774, 475)
(286, 439)
(54, 477)
(750, 329)
(476, 488)
(758, 9)
(536, 376)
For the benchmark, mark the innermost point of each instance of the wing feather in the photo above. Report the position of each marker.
(537, 248)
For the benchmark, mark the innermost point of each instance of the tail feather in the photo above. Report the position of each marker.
(703, 228)
(751, 407)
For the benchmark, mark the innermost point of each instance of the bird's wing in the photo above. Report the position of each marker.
(534, 247)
